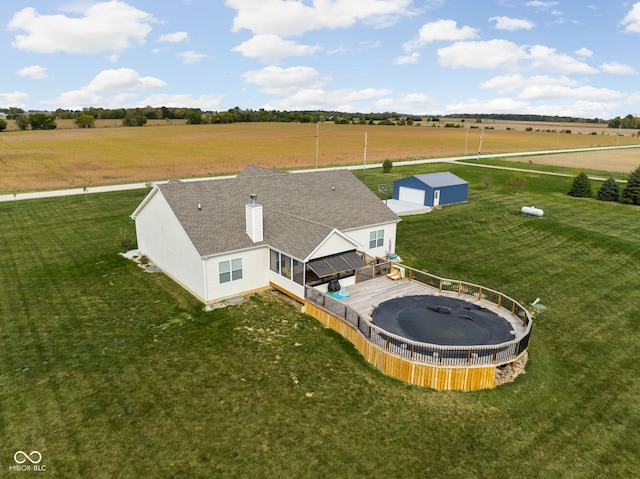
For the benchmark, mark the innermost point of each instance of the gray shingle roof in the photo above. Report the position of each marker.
(300, 209)
(439, 180)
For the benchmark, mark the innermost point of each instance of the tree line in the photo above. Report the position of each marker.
(86, 117)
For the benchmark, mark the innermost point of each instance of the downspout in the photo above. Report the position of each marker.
(204, 279)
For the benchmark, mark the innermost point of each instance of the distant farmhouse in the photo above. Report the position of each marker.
(264, 228)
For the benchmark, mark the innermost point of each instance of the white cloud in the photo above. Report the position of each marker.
(512, 83)
(512, 24)
(588, 93)
(440, 30)
(285, 81)
(15, 99)
(632, 21)
(481, 54)
(295, 18)
(77, 99)
(584, 53)
(539, 4)
(190, 57)
(347, 100)
(580, 108)
(123, 82)
(122, 79)
(175, 37)
(548, 58)
(113, 58)
(496, 105)
(273, 48)
(206, 102)
(616, 68)
(110, 26)
(415, 103)
(35, 71)
(543, 87)
(413, 57)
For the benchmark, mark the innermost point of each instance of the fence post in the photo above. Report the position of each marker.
(500, 301)
(480, 292)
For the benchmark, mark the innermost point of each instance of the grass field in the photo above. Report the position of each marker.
(109, 371)
(78, 158)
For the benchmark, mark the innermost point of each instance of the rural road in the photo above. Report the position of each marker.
(461, 159)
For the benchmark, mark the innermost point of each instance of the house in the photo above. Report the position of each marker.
(263, 228)
(435, 189)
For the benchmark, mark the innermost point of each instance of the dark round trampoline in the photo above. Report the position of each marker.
(443, 321)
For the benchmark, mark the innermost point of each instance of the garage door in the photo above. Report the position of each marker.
(412, 195)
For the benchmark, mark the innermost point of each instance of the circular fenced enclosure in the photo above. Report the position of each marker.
(427, 330)
(442, 321)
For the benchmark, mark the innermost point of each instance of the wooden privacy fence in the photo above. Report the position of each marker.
(445, 367)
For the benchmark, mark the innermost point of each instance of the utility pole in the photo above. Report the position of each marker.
(480, 145)
(317, 131)
(364, 164)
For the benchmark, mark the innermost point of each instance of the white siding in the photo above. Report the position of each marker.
(255, 273)
(362, 236)
(287, 284)
(334, 243)
(163, 240)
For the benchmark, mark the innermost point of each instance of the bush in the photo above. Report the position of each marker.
(631, 193)
(609, 191)
(516, 181)
(581, 187)
(387, 165)
(123, 240)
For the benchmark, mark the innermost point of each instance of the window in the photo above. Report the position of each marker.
(230, 270)
(376, 239)
(275, 261)
(287, 267)
(298, 272)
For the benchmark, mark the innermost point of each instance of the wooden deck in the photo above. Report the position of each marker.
(366, 296)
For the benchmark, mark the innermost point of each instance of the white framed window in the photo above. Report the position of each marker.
(230, 270)
(376, 239)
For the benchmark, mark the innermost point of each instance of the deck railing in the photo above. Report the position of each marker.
(494, 354)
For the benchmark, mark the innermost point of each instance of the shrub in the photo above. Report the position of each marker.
(631, 193)
(609, 191)
(516, 181)
(123, 240)
(387, 165)
(581, 187)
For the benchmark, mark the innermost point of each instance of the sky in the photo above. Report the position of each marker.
(574, 58)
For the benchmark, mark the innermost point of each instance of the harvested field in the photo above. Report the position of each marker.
(72, 157)
(618, 161)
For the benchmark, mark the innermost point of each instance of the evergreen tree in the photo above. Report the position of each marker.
(609, 191)
(631, 193)
(581, 187)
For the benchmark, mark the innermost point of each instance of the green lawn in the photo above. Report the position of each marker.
(109, 371)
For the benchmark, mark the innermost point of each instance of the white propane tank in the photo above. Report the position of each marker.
(532, 211)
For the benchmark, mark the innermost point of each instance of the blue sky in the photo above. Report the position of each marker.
(566, 57)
